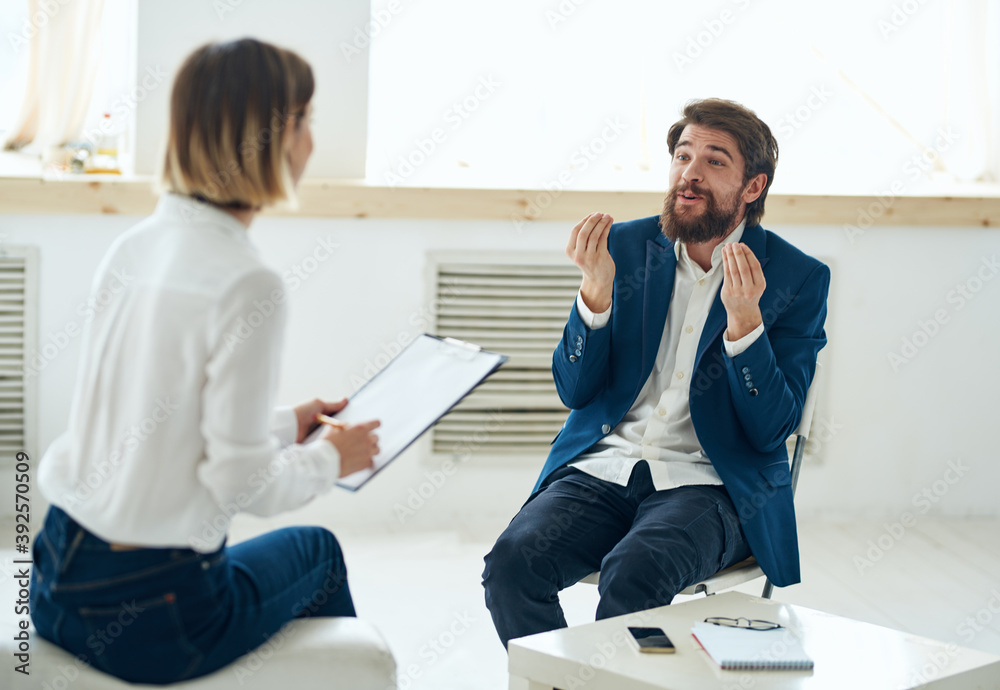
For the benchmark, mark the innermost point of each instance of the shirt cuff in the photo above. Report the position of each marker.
(741, 345)
(590, 319)
(285, 425)
(330, 457)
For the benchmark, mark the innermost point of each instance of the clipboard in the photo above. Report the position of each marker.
(412, 392)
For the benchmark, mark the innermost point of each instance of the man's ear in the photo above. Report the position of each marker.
(754, 188)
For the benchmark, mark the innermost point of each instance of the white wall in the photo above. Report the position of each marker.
(326, 34)
(885, 435)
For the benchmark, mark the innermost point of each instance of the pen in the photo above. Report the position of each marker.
(330, 421)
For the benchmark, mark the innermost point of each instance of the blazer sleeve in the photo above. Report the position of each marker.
(580, 363)
(770, 379)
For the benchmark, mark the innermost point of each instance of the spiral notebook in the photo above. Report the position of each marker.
(752, 650)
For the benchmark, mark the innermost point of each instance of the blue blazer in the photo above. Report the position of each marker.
(743, 408)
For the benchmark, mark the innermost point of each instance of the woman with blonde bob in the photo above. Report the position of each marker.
(172, 429)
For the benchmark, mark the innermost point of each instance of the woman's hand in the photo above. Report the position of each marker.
(356, 444)
(307, 411)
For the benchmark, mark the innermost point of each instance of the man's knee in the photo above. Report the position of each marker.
(516, 557)
(634, 583)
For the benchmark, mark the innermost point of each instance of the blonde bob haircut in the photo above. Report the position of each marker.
(229, 108)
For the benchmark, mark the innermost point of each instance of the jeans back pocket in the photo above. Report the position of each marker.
(123, 639)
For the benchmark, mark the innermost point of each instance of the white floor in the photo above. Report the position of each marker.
(938, 578)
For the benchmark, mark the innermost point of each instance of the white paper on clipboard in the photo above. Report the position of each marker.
(429, 377)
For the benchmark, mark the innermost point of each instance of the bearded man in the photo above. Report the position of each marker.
(685, 364)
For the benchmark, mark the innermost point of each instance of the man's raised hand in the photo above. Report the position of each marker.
(742, 286)
(588, 249)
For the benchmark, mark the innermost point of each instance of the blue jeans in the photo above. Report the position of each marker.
(162, 615)
(648, 544)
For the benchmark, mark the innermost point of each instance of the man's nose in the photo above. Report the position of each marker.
(693, 172)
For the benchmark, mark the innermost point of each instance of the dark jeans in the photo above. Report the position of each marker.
(165, 615)
(649, 545)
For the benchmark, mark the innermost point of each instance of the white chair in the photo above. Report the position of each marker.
(747, 570)
(307, 654)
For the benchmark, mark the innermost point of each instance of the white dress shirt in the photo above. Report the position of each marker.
(172, 428)
(658, 427)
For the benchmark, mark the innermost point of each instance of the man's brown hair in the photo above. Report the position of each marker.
(757, 145)
(229, 108)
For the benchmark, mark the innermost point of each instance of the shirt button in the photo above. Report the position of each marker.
(572, 358)
(606, 428)
(689, 329)
(680, 374)
(661, 412)
(205, 565)
(701, 282)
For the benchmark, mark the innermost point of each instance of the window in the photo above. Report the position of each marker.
(861, 96)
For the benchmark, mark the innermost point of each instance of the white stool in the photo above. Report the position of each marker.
(307, 654)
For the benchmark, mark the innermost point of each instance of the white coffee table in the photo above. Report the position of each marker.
(848, 654)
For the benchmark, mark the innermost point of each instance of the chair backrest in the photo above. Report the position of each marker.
(805, 425)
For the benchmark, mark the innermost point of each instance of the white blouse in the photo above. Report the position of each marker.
(172, 428)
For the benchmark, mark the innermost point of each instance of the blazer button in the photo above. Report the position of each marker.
(578, 352)
(747, 377)
(753, 392)
(579, 340)
(606, 428)
(749, 384)
(572, 358)
(745, 370)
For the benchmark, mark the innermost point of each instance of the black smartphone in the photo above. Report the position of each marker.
(652, 640)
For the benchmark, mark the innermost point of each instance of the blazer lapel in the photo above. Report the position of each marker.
(661, 266)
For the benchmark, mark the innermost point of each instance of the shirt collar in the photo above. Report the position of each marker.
(190, 211)
(734, 236)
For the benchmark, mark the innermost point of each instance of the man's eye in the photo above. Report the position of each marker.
(716, 162)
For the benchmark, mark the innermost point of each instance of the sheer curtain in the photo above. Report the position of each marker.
(64, 58)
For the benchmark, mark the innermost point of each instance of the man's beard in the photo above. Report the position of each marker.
(715, 221)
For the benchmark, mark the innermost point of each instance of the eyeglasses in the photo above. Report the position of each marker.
(748, 623)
